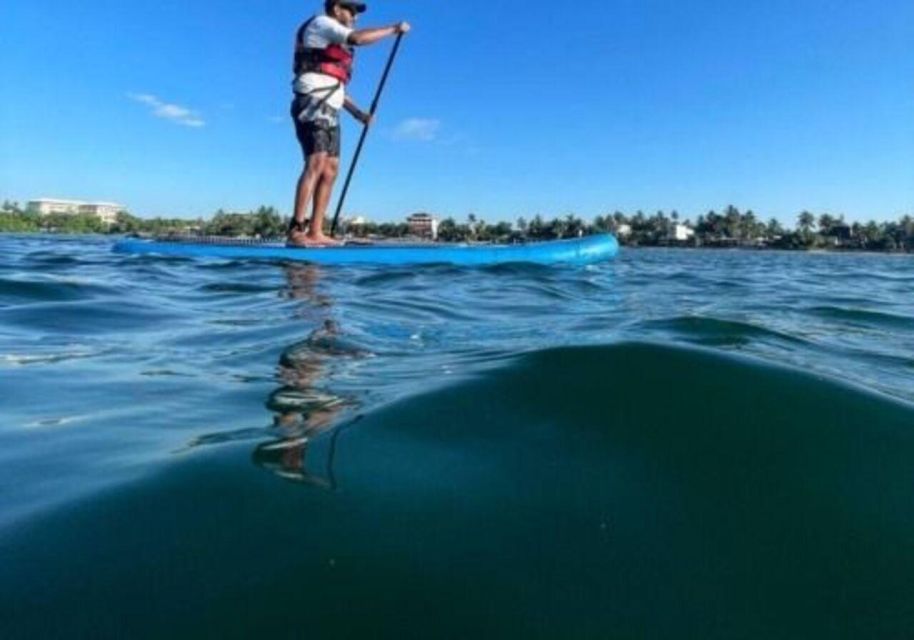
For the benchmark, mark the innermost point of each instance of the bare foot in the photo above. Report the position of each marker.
(296, 238)
(322, 240)
(300, 239)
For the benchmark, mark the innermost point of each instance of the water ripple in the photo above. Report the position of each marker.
(864, 317)
(714, 331)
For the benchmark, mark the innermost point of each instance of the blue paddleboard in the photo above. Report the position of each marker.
(585, 250)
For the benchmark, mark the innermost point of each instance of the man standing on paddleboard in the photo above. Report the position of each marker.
(323, 66)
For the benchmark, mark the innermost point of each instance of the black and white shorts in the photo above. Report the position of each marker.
(317, 126)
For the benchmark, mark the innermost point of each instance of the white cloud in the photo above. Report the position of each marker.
(174, 112)
(420, 129)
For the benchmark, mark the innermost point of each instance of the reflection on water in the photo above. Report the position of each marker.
(302, 409)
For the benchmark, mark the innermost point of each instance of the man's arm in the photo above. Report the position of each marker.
(362, 116)
(370, 36)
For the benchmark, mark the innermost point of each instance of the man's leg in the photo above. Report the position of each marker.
(307, 183)
(324, 188)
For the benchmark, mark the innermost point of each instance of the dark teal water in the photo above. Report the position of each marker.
(675, 444)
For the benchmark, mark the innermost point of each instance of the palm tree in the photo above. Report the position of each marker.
(267, 222)
(805, 222)
(660, 227)
(573, 225)
(619, 218)
(872, 235)
(907, 229)
(732, 222)
(826, 222)
(714, 224)
(11, 207)
(501, 231)
(774, 229)
(559, 228)
(447, 230)
(751, 228)
(483, 231)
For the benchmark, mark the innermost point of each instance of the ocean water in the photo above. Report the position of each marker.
(678, 443)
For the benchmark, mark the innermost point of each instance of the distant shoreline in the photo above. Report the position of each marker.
(730, 229)
(415, 239)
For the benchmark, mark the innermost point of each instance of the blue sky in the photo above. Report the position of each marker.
(503, 109)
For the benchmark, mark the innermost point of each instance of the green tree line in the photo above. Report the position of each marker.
(262, 222)
(727, 228)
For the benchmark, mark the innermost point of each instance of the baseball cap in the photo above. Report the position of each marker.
(357, 7)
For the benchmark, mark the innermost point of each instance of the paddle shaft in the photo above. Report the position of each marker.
(358, 149)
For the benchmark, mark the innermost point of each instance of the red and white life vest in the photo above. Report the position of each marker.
(334, 60)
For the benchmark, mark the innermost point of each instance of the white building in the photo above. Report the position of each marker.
(624, 230)
(105, 211)
(682, 232)
(47, 206)
(423, 225)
